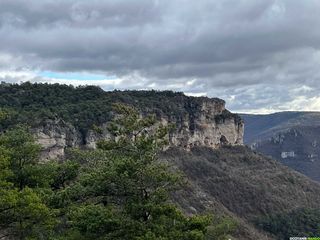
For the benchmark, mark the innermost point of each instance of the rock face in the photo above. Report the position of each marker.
(207, 124)
(200, 122)
(55, 137)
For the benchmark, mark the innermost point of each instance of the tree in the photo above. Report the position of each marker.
(298, 222)
(24, 184)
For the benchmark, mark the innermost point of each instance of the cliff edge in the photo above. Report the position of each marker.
(198, 121)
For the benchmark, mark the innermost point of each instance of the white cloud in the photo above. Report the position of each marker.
(201, 94)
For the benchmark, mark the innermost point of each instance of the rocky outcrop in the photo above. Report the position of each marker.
(199, 122)
(209, 124)
(55, 137)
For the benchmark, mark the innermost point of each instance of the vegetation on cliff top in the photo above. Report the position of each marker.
(86, 106)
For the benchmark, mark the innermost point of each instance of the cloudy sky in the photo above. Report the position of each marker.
(259, 55)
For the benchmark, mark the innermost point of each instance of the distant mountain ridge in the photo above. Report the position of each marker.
(293, 138)
(261, 126)
(242, 184)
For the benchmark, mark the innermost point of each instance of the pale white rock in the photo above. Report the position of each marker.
(55, 136)
(203, 123)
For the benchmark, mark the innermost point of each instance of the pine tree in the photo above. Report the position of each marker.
(24, 184)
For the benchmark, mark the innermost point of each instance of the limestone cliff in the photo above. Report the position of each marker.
(55, 137)
(199, 122)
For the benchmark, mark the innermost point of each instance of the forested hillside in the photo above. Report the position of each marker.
(85, 105)
(134, 185)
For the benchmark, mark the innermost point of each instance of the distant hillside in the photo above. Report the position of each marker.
(293, 138)
(263, 126)
(245, 185)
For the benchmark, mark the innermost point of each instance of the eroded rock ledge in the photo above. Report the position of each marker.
(199, 122)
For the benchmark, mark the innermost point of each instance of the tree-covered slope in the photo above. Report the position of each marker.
(86, 105)
(244, 184)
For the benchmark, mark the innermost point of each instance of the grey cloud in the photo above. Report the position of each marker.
(225, 45)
